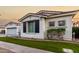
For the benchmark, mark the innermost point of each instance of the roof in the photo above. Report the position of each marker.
(12, 22)
(46, 13)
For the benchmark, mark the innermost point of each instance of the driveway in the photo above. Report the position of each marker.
(3, 50)
(19, 49)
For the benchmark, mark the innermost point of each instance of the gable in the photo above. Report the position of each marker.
(31, 18)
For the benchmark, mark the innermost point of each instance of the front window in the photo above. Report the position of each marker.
(52, 23)
(61, 23)
(31, 26)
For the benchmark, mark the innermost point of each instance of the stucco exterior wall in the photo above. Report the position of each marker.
(44, 25)
(68, 26)
(39, 35)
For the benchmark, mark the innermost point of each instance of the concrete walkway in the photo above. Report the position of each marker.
(20, 49)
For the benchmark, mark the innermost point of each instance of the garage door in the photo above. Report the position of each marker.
(11, 31)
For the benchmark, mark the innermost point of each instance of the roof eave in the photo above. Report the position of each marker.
(63, 15)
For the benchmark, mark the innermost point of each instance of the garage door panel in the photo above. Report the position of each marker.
(12, 31)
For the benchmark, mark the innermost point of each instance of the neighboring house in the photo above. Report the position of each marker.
(12, 29)
(35, 25)
(2, 30)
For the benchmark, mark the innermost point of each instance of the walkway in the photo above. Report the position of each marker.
(20, 49)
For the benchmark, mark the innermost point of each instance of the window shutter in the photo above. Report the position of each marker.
(36, 26)
(24, 27)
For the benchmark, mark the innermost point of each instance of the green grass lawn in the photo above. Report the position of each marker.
(54, 46)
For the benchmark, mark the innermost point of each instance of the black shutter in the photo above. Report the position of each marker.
(36, 26)
(24, 27)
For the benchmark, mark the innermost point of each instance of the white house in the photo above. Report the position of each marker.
(12, 29)
(35, 25)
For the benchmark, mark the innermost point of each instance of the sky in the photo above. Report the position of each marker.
(13, 13)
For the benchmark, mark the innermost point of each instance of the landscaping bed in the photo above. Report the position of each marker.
(53, 46)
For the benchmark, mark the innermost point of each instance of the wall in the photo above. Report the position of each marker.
(68, 32)
(39, 35)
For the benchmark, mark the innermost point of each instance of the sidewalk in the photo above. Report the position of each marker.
(21, 49)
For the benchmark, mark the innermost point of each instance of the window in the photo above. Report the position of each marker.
(52, 23)
(33, 26)
(61, 23)
(24, 27)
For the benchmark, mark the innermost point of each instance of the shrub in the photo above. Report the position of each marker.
(55, 33)
(75, 29)
(56, 30)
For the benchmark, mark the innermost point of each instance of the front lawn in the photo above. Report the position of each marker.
(53, 46)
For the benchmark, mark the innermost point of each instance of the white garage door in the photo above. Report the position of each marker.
(11, 31)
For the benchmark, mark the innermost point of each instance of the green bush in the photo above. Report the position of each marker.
(56, 30)
(60, 30)
(75, 29)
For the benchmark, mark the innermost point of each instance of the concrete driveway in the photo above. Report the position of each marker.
(3, 50)
(19, 49)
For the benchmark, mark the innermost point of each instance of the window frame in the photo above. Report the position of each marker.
(36, 26)
(52, 23)
(33, 23)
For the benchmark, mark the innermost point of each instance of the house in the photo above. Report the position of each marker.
(12, 29)
(2, 29)
(35, 25)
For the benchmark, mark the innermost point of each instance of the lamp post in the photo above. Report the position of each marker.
(73, 36)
